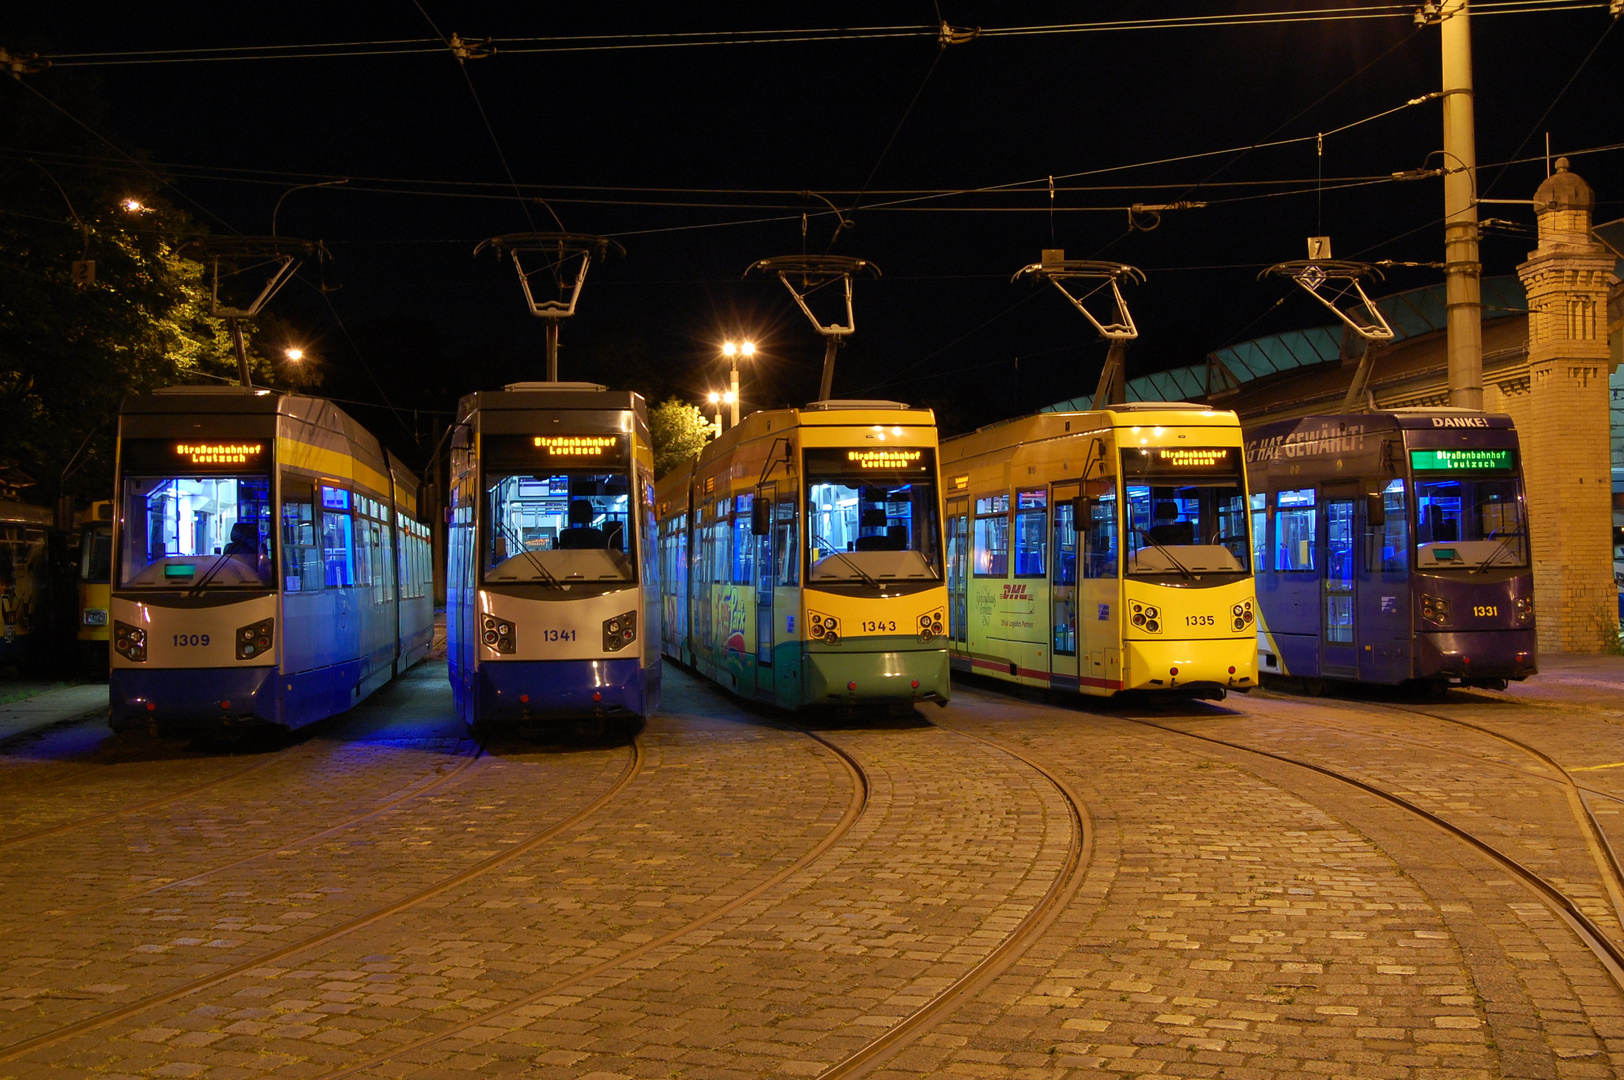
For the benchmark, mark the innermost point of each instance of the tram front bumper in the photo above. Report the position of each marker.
(189, 696)
(1474, 655)
(541, 689)
(841, 675)
(1192, 666)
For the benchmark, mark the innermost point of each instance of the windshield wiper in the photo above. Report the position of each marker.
(868, 579)
(1165, 553)
(532, 558)
(1494, 555)
(214, 568)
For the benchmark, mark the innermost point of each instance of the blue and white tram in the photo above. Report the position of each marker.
(551, 576)
(269, 564)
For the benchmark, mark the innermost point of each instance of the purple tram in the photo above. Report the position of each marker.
(1391, 547)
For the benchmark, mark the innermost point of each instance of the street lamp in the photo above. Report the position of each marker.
(294, 355)
(746, 349)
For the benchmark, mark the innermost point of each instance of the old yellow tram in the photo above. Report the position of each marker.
(1102, 551)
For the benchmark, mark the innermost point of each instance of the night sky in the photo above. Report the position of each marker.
(617, 139)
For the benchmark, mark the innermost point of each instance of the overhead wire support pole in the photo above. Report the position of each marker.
(566, 258)
(1463, 272)
(1117, 331)
(814, 273)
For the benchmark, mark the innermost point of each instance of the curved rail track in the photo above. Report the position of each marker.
(18, 1049)
(414, 793)
(1605, 949)
(853, 813)
(1043, 914)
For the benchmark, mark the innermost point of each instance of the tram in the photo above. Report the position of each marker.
(268, 564)
(95, 570)
(802, 558)
(1103, 551)
(1391, 547)
(551, 577)
(24, 578)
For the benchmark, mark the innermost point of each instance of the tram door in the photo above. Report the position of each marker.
(1338, 654)
(766, 580)
(958, 574)
(1063, 583)
(788, 552)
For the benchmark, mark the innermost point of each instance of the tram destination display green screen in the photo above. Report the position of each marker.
(1475, 459)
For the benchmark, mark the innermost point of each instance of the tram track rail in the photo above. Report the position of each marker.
(1595, 836)
(1607, 951)
(467, 761)
(48, 1039)
(856, 806)
(1049, 907)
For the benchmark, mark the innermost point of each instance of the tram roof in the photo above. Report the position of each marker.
(544, 396)
(1421, 418)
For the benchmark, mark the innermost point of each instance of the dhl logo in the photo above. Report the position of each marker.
(1016, 592)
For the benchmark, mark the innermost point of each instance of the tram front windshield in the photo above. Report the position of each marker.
(1468, 520)
(872, 516)
(196, 532)
(558, 527)
(1185, 511)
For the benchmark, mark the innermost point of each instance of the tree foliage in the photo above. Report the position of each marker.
(679, 431)
(70, 352)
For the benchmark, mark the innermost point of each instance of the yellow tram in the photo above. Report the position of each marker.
(801, 558)
(1103, 551)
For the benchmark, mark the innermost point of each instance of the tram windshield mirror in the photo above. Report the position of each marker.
(872, 515)
(183, 530)
(1469, 522)
(567, 528)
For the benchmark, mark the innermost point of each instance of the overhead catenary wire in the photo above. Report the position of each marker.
(768, 36)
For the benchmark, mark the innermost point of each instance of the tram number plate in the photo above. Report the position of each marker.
(558, 635)
(1486, 610)
(185, 640)
(1198, 620)
(880, 626)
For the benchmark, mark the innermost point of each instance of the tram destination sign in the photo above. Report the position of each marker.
(219, 454)
(558, 451)
(1180, 460)
(1465, 459)
(879, 460)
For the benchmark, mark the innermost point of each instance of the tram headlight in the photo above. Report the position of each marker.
(619, 631)
(824, 628)
(1525, 608)
(1240, 615)
(1148, 617)
(1435, 609)
(94, 617)
(498, 634)
(130, 642)
(932, 625)
(255, 640)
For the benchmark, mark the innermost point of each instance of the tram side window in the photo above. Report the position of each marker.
(784, 546)
(1395, 531)
(1031, 532)
(1294, 524)
(722, 544)
(992, 536)
(337, 537)
(1101, 534)
(744, 542)
(1260, 539)
(301, 559)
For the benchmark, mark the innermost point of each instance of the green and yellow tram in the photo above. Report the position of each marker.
(801, 558)
(1103, 551)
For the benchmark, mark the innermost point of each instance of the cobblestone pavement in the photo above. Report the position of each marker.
(381, 898)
